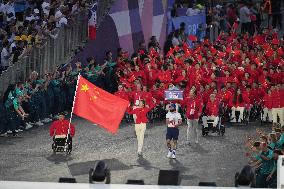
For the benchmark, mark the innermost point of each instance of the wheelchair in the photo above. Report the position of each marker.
(219, 129)
(62, 143)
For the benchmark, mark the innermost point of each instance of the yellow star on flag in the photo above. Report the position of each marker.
(84, 88)
(93, 98)
(96, 90)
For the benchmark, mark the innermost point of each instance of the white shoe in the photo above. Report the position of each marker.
(20, 130)
(28, 126)
(48, 119)
(16, 130)
(196, 142)
(39, 123)
(4, 134)
(170, 153)
(45, 120)
(173, 156)
(9, 132)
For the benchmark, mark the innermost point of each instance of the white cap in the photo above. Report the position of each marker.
(218, 6)
(36, 11)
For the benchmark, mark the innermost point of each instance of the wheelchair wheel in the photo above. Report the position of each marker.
(205, 131)
(53, 146)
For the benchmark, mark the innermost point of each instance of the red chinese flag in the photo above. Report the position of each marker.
(280, 51)
(213, 50)
(192, 38)
(219, 62)
(99, 106)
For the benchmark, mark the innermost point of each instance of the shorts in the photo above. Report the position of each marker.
(172, 133)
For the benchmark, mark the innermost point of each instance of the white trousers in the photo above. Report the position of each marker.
(267, 113)
(140, 131)
(192, 127)
(280, 113)
(206, 118)
(241, 116)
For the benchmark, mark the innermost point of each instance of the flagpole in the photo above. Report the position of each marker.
(74, 100)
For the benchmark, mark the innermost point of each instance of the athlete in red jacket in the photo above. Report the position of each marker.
(60, 127)
(193, 106)
(212, 111)
(140, 122)
(238, 103)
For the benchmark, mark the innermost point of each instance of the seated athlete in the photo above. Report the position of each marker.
(59, 128)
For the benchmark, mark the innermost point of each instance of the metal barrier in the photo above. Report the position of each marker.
(54, 52)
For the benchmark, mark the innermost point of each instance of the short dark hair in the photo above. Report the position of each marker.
(245, 178)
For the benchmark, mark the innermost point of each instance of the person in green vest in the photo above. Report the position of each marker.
(15, 112)
(265, 165)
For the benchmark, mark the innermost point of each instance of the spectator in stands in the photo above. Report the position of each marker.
(276, 14)
(192, 10)
(231, 15)
(175, 39)
(154, 43)
(20, 7)
(245, 19)
(266, 13)
(5, 55)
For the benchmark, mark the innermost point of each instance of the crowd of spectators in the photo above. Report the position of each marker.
(26, 24)
(244, 15)
(263, 152)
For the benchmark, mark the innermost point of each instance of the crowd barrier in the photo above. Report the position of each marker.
(53, 53)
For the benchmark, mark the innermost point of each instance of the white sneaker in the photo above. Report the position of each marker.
(196, 142)
(173, 156)
(20, 130)
(45, 120)
(49, 120)
(39, 123)
(16, 130)
(170, 153)
(4, 134)
(28, 126)
(9, 132)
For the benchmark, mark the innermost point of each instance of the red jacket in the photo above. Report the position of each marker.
(212, 108)
(147, 96)
(267, 101)
(193, 104)
(276, 99)
(60, 127)
(136, 95)
(141, 114)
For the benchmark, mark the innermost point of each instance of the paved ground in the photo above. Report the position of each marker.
(29, 157)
